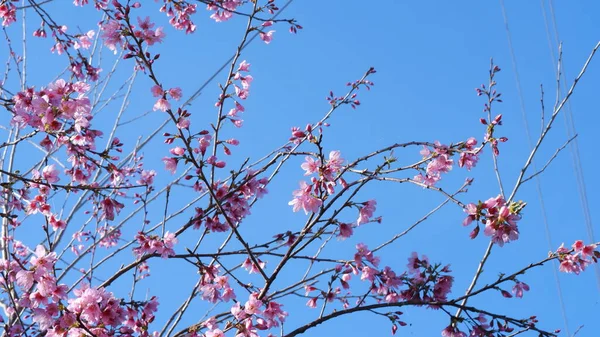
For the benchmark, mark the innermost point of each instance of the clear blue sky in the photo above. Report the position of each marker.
(430, 55)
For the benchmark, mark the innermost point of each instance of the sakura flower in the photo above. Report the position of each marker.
(170, 164)
(157, 91)
(162, 105)
(518, 289)
(335, 161)
(304, 199)
(111, 34)
(147, 177)
(50, 173)
(110, 207)
(366, 212)
(252, 306)
(177, 151)
(442, 288)
(267, 37)
(84, 40)
(175, 93)
(244, 66)
(472, 211)
(345, 231)
(310, 165)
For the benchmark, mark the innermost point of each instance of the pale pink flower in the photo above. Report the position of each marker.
(310, 165)
(162, 105)
(426, 180)
(267, 37)
(304, 199)
(441, 164)
(244, 66)
(157, 91)
(335, 161)
(252, 306)
(111, 34)
(170, 164)
(241, 93)
(177, 151)
(366, 212)
(183, 123)
(84, 40)
(50, 173)
(175, 93)
(147, 177)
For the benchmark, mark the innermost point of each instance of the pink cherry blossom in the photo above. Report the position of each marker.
(267, 37)
(518, 289)
(244, 66)
(175, 93)
(366, 212)
(157, 91)
(170, 164)
(162, 105)
(310, 165)
(50, 173)
(304, 199)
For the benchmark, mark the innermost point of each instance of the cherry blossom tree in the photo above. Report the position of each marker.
(88, 210)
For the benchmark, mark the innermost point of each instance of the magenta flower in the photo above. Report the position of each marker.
(345, 231)
(442, 288)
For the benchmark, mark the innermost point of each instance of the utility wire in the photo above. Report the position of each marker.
(537, 178)
(574, 146)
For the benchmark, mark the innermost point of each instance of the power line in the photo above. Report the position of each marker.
(537, 179)
(574, 146)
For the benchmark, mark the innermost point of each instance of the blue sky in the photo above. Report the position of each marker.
(429, 56)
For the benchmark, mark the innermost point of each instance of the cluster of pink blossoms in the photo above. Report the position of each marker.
(8, 13)
(214, 287)
(365, 215)
(577, 259)
(441, 163)
(252, 316)
(63, 113)
(153, 244)
(236, 205)
(422, 283)
(117, 29)
(307, 197)
(500, 219)
(440, 160)
(179, 13)
(163, 104)
(223, 9)
(90, 310)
